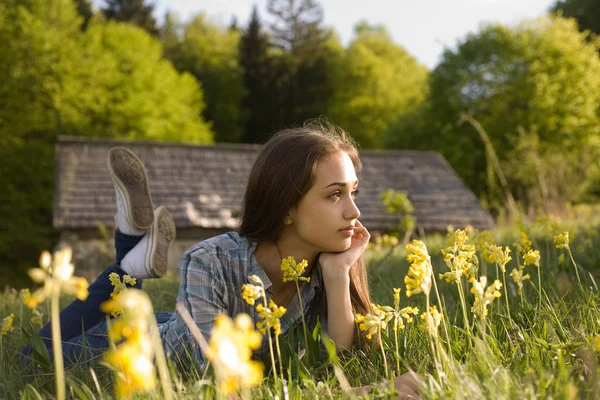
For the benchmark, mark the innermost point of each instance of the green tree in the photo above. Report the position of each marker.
(107, 81)
(378, 83)
(304, 58)
(84, 9)
(586, 12)
(534, 90)
(257, 75)
(210, 53)
(145, 96)
(132, 11)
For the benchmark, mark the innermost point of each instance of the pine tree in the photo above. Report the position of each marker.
(133, 11)
(84, 8)
(256, 104)
(304, 78)
(297, 25)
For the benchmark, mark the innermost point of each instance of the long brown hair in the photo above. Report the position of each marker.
(282, 174)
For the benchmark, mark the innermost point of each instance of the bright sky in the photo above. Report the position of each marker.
(423, 27)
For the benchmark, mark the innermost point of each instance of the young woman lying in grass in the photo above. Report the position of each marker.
(299, 202)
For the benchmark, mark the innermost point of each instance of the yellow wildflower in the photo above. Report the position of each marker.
(418, 279)
(499, 256)
(119, 285)
(484, 296)
(401, 314)
(251, 293)
(562, 240)
(36, 319)
(523, 245)
(56, 273)
(460, 258)
(431, 321)
(518, 277)
(271, 316)
(231, 346)
(132, 360)
(532, 257)
(373, 323)
(293, 271)
(7, 324)
(135, 368)
(396, 297)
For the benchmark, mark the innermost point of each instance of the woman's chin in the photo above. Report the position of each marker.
(341, 246)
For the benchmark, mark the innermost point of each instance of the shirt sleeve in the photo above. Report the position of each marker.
(203, 292)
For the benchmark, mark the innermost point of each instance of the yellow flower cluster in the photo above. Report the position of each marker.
(484, 296)
(404, 313)
(7, 324)
(518, 277)
(231, 346)
(562, 240)
(418, 279)
(271, 316)
(119, 285)
(431, 321)
(532, 257)
(293, 271)
(460, 258)
(56, 273)
(251, 293)
(482, 241)
(383, 241)
(499, 256)
(372, 323)
(132, 360)
(523, 245)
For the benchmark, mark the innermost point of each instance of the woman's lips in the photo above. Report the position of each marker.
(347, 232)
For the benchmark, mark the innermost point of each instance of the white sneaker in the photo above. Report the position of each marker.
(135, 212)
(149, 258)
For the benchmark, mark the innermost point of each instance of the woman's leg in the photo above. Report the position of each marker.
(133, 199)
(93, 343)
(81, 315)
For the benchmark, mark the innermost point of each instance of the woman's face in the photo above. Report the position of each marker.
(324, 217)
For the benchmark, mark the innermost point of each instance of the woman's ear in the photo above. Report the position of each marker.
(288, 219)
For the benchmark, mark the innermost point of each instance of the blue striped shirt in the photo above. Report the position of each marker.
(211, 276)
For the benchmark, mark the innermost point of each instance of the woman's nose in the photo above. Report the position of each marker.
(352, 212)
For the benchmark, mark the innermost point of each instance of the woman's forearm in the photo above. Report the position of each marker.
(340, 318)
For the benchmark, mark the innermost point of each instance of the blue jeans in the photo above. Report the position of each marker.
(82, 323)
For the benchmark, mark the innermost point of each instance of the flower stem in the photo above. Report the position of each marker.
(437, 295)
(274, 367)
(385, 366)
(397, 351)
(303, 320)
(163, 371)
(506, 297)
(540, 287)
(59, 368)
(464, 308)
(574, 264)
(433, 353)
(279, 357)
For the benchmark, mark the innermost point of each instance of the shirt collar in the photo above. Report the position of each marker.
(316, 276)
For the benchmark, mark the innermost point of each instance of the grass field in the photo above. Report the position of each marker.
(545, 347)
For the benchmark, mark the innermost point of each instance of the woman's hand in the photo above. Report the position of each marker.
(407, 385)
(338, 264)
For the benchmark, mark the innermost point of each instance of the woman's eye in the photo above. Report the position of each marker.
(336, 195)
(355, 193)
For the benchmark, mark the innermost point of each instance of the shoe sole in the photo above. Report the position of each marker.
(129, 174)
(162, 235)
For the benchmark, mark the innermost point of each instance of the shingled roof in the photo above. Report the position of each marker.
(203, 186)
